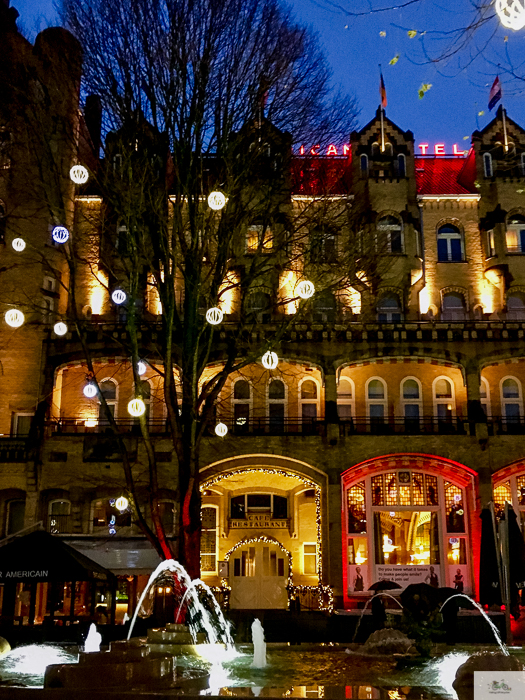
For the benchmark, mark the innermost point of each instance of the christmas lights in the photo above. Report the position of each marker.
(216, 201)
(136, 407)
(119, 296)
(90, 390)
(60, 234)
(14, 318)
(18, 244)
(305, 289)
(79, 174)
(270, 360)
(221, 429)
(511, 13)
(60, 328)
(122, 503)
(214, 316)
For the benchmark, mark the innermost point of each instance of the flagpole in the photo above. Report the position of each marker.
(505, 129)
(382, 112)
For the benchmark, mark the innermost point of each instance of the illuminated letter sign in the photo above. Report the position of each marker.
(331, 150)
(439, 149)
(346, 149)
(315, 150)
(424, 148)
(456, 152)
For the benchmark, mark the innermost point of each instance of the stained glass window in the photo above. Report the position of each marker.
(391, 489)
(378, 494)
(520, 483)
(418, 494)
(431, 487)
(502, 493)
(454, 508)
(356, 508)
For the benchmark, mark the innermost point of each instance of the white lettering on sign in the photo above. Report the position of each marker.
(439, 150)
(259, 521)
(331, 150)
(27, 574)
(405, 575)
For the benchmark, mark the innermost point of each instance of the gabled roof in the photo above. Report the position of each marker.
(442, 175)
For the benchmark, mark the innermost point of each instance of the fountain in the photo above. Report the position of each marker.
(259, 645)
(503, 647)
(93, 640)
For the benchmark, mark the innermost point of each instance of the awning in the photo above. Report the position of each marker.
(122, 557)
(40, 556)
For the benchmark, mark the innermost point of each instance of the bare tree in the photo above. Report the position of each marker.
(198, 95)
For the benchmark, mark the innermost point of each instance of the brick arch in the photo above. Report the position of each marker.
(402, 359)
(504, 473)
(453, 221)
(515, 211)
(457, 290)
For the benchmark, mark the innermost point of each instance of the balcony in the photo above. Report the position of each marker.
(402, 426)
(501, 425)
(13, 450)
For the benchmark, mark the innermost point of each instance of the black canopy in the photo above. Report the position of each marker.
(39, 556)
(489, 567)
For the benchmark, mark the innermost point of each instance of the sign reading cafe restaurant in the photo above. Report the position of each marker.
(259, 521)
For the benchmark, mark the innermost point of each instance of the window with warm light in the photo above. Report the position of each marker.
(511, 400)
(515, 236)
(407, 538)
(209, 534)
(259, 238)
(411, 402)
(444, 402)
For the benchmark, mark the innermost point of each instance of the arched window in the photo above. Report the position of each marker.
(444, 402)
(345, 399)
(364, 164)
(376, 400)
(515, 236)
(484, 395)
(15, 516)
(108, 389)
(401, 165)
(392, 228)
(389, 308)
(308, 401)
(453, 307)
(209, 539)
(242, 403)
(411, 402)
(450, 244)
(487, 165)
(511, 400)
(276, 405)
(58, 516)
(516, 306)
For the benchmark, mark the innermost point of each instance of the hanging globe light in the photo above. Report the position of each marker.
(119, 296)
(511, 13)
(90, 390)
(60, 234)
(14, 318)
(122, 503)
(136, 407)
(270, 360)
(60, 328)
(79, 174)
(221, 430)
(18, 244)
(141, 367)
(216, 200)
(214, 316)
(305, 289)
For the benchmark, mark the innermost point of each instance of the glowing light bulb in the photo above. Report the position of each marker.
(221, 429)
(136, 407)
(141, 367)
(214, 316)
(60, 328)
(14, 318)
(305, 289)
(122, 503)
(119, 296)
(90, 390)
(511, 13)
(79, 174)
(18, 244)
(270, 360)
(216, 200)
(60, 234)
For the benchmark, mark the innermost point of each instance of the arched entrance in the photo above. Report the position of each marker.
(262, 533)
(408, 518)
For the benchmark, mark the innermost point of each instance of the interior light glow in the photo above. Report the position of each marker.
(60, 328)
(119, 296)
(79, 174)
(216, 200)
(136, 407)
(60, 234)
(14, 318)
(214, 316)
(18, 244)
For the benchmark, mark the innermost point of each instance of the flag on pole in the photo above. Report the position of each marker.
(495, 93)
(382, 91)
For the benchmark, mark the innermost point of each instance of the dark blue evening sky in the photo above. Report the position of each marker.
(354, 46)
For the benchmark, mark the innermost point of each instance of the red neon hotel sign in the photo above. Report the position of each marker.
(437, 149)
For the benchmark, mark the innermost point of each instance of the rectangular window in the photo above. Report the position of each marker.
(209, 540)
(456, 550)
(491, 246)
(406, 538)
(259, 238)
(22, 424)
(49, 284)
(309, 559)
